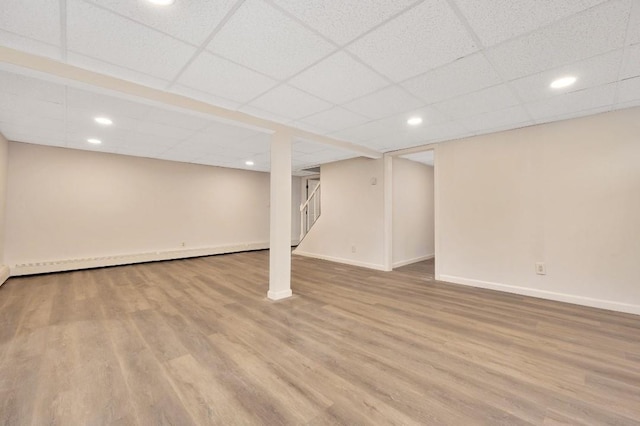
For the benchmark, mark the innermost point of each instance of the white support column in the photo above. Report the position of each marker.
(280, 217)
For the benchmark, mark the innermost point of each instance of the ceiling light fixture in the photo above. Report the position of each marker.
(162, 2)
(563, 82)
(94, 141)
(249, 163)
(414, 121)
(103, 120)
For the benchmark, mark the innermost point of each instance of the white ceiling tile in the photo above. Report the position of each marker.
(178, 155)
(204, 97)
(135, 151)
(31, 107)
(98, 34)
(31, 88)
(267, 115)
(629, 90)
(153, 128)
(221, 132)
(389, 101)
(445, 131)
(259, 143)
(495, 21)
(587, 34)
(633, 31)
(191, 21)
(362, 133)
(425, 37)
(47, 135)
(572, 102)
(85, 146)
(102, 67)
(631, 63)
(424, 157)
(176, 119)
(37, 139)
(591, 72)
(464, 75)
(266, 40)
(307, 147)
(220, 77)
(343, 21)
(508, 118)
(36, 47)
(289, 102)
(334, 119)
(338, 79)
(103, 104)
(39, 20)
(28, 122)
(485, 100)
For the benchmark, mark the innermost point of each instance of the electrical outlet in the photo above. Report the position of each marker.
(182, 244)
(353, 249)
(540, 268)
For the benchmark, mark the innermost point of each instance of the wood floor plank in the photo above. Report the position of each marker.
(195, 341)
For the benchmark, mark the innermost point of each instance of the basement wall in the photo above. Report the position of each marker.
(413, 212)
(566, 194)
(69, 209)
(350, 228)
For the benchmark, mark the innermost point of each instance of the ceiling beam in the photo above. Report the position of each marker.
(69, 72)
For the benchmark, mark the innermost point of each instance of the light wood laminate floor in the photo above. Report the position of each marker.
(196, 342)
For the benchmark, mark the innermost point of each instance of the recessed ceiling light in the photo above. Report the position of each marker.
(563, 82)
(249, 163)
(414, 121)
(162, 2)
(103, 120)
(94, 141)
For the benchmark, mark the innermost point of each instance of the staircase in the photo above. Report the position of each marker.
(309, 211)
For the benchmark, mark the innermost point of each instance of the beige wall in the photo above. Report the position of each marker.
(565, 193)
(352, 214)
(71, 204)
(413, 227)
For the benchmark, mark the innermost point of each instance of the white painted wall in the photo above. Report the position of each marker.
(4, 157)
(71, 204)
(565, 193)
(352, 214)
(413, 226)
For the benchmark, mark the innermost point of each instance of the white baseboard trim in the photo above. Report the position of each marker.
(545, 294)
(5, 273)
(341, 260)
(279, 295)
(126, 259)
(414, 260)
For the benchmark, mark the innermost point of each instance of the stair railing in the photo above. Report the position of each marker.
(309, 211)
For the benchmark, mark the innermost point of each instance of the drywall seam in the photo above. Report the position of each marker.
(543, 294)
(341, 260)
(126, 259)
(414, 260)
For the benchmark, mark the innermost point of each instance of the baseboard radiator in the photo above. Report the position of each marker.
(126, 259)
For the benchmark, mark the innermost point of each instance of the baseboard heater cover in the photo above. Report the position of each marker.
(126, 259)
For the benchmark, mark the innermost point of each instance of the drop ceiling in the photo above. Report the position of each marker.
(353, 71)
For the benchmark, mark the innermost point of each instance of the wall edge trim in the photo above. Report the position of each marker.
(341, 260)
(414, 260)
(545, 294)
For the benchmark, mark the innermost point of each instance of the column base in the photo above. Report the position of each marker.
(278, 295)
